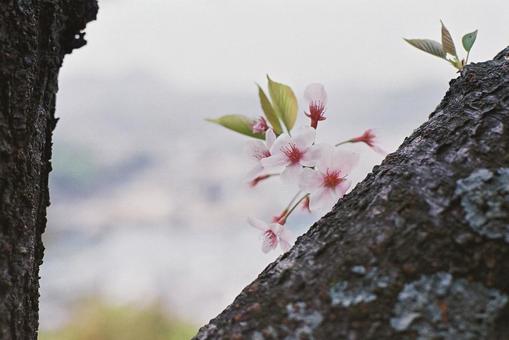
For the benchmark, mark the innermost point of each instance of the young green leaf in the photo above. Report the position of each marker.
(468, 40)
(237, 123)
(447, 42)
(269, 111)
(284, 102)
(429, 46)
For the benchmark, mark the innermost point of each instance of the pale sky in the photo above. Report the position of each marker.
(199, 45)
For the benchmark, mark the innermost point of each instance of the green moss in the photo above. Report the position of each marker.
(96, 321)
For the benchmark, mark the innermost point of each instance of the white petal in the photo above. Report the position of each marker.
(291, 174)
(310, 180)
(256, 171)
(342, 188)
(267, 244)
(379, 150)
(315, 93)
(305, 137)
(325, 153)
(258, 224)
(344, 161)
(310, 157)
(285, 246)
(276, 228)
(270, 137)
(274, 162)
(285, 236)
(255, 149)
(279, 144)
(322, 200)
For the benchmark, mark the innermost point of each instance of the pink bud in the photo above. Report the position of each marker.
(260, 125)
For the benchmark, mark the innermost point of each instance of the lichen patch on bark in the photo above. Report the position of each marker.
(439, 306)
(485, 200)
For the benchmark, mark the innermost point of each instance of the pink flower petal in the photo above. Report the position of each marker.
(285, 235)
(258, 224)
(267, 245)
(326, 155)
(342, 188)
(279, 144)
(256, 171)
(270, 138)
(322, 199)
(310, 180)
(274, 162)
(269, 242)
(276, 228)
(344, 161)
(285, 246)
(379, 150)
(315, 93)
(310, 157)
(291, 174)
(305, 137)
(256, 150)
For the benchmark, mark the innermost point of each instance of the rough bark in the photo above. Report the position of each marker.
(419, 249)
(34, 37)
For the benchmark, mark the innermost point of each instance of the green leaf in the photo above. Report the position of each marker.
(269, 111)
(447, 42)
(284, 102)
(468, 40)
(429, 46)
(237, 123)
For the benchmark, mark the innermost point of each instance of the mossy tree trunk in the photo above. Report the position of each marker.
(35, 35)
(419, 249)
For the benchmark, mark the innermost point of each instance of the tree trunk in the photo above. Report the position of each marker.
(34, 37)
(418, 250)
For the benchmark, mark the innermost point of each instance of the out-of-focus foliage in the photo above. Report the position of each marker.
(96, 321)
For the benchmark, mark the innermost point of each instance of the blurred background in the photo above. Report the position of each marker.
(147, 235)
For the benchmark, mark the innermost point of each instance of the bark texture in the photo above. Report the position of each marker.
(35, 35)
(418, 250)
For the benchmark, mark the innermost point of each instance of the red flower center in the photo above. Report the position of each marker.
(317, 110)
(331, 179)
(293, 153)
(316, 113)
(367, 137)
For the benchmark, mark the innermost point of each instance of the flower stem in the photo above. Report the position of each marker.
(292, 200)
(345, 142)
(283, 220)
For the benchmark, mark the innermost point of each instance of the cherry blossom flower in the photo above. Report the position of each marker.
(316, 96)
(292, 153)
(256, 151)
(370, 139)
(272, 234)
(327, 182)
(260, 125)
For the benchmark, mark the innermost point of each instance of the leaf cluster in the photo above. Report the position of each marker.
(446, 49)
(280, 111)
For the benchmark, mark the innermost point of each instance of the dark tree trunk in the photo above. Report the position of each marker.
(34, 37)
(419, 249)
